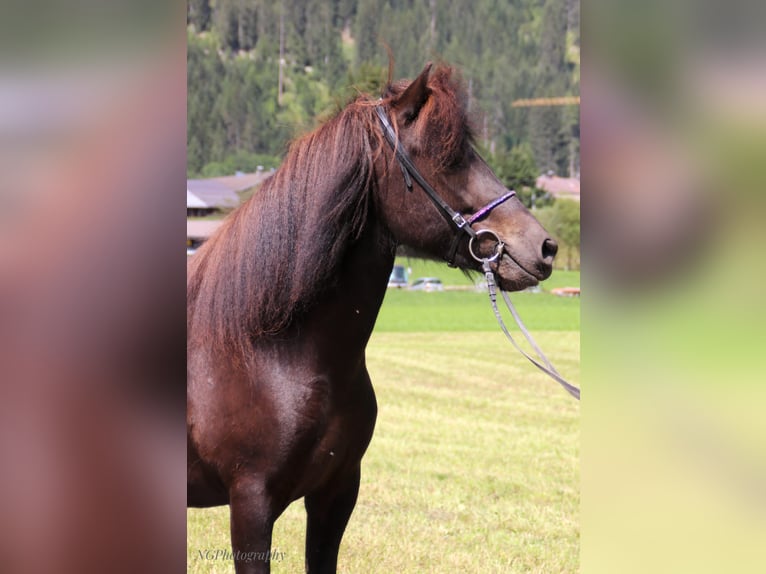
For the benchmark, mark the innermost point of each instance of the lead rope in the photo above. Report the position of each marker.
(548, 368)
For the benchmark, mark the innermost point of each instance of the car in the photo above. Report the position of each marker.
(427, 284)
(398, 278)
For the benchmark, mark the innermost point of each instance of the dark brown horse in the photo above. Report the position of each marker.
(283, 299)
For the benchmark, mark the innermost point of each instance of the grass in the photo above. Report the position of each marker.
(466, 311)
(455, 277)
(474, 463)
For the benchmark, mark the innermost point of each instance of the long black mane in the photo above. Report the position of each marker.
(280, 250)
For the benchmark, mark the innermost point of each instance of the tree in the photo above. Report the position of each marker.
(562, 220)
(504, 50)
(550, 136)
(199, 14)
(549, 132)
(366, 31)
(518, 171)
(226, 24)
(205, 74)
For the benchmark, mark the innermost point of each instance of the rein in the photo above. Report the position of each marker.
(548, 368)
(463, 225)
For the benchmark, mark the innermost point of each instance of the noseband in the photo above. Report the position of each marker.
(460, 224)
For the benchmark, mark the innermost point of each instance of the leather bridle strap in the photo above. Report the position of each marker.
(546, 366)
(483, 212)
(452, 216)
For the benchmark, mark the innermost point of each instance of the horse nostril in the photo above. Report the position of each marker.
(550, 248)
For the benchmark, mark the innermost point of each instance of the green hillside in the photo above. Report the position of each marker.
(243, 107)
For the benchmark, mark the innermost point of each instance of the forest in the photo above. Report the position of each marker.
(261, 72)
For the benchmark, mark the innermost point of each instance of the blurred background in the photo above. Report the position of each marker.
(673, 437)
(92, 354)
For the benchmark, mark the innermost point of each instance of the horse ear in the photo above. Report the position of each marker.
(407, 106)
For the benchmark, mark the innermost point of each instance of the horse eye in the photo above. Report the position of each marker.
(460, 161)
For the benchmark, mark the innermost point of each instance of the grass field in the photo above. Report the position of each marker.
(474, 463)
(451, 276)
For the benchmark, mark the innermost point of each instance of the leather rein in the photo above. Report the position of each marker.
(463, 226)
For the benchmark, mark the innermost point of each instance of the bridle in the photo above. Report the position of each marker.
(462, 226)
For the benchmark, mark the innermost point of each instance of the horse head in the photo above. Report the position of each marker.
(430, 121)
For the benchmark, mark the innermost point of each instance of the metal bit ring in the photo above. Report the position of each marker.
(498, 249)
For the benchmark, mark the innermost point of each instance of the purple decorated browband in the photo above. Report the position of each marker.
(489, 207)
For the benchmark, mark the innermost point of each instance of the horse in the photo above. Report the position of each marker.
(282, 300)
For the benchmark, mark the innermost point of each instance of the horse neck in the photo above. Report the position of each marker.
(345, 319)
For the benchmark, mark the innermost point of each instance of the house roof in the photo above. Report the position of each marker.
(194, 201)
(242, 181)
(560, 187)
(221, 191)
(212, 193)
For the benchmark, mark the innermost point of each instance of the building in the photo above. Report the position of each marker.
(206, 196)
(196, 207)
(198, 231)
(559, 187)
(216, 194)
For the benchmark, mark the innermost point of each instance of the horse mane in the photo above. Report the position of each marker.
(273, 258)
